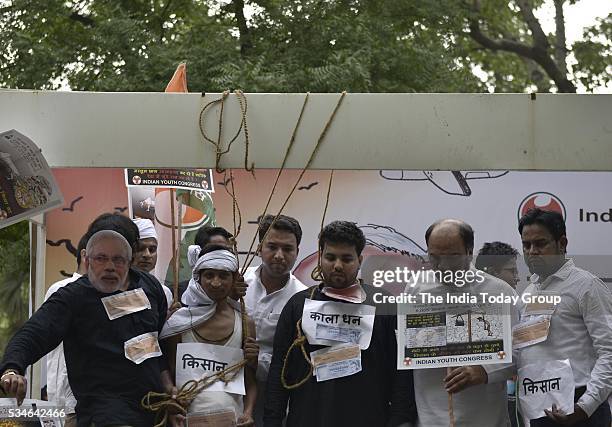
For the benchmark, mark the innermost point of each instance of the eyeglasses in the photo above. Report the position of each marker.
(102, 260)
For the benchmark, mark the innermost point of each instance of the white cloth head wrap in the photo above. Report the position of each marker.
(216, 260)
(145, 228)
(200, 307)
(193, 253)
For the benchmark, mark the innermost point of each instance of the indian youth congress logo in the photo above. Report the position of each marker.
(542, 200)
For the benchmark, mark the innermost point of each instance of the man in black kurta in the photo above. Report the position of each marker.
(107, 385)
(379, 395)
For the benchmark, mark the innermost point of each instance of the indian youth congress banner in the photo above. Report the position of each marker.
(449, 327)
(150, 193)
(187, 179)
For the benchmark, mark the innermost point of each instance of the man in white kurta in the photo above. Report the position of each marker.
(58, 388)
(478, 392)
(479, 405)
(270, 286)
(145, 256)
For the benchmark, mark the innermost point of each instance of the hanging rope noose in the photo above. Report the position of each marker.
(162, 402)
(316, 274)
(219, 150)
(280, 171)
(310, 160)
(299, 342)
(237, 224)
(300, 338)
(243, 109)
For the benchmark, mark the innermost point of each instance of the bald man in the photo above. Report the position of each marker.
(479, 392)
(109, 321)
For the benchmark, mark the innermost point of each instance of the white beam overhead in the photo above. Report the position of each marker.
(370, 131)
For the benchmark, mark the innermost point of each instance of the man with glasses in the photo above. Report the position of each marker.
(579, 328)
(109, 321)
(58, 388)
(478, 391)
(499, 260)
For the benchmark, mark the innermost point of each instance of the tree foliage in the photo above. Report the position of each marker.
(14, 279)
(296, 45)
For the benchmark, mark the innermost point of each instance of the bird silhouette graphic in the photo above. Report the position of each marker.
(308, 187)
(120, 209)
(67, 242)
(74, 202)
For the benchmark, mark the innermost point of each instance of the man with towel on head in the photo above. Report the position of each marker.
(205, 235)
(213, 322)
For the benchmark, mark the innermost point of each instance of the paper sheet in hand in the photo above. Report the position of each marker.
(332, 323)
(196, 360)
(542, 384)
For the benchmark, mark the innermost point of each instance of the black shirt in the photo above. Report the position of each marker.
(108, 386)
(379, 395)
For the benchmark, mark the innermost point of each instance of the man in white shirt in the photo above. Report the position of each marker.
(499, 260)
(478, 392)
(145, 255)
(580, 325)
(58, 388)
(269, 288)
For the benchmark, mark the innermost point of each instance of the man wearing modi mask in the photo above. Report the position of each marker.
(109, 322)
(335, 326)
(207, 337)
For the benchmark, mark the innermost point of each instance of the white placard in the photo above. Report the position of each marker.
(451, 333)
(542, 384)
(331, 323)
(196, 360)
